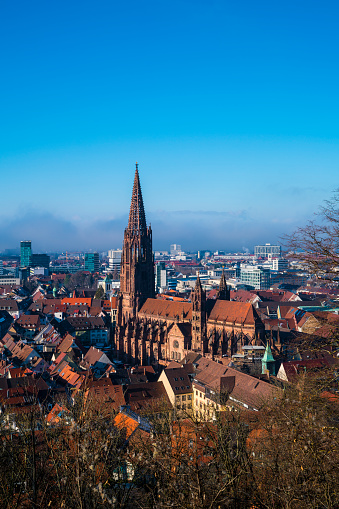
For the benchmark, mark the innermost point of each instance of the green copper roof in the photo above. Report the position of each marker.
(268, 357)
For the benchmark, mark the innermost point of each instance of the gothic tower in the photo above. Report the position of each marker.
(137, 263)
(224, 291)
(198, 298)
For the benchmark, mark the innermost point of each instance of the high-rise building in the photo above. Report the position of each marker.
(92, 262)
(1, 267)
(264, 250)
(25, 253)
(114, 260)
(160, 276)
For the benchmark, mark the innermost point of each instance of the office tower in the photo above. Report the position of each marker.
(25, 253)
(92, 262)
(40, 260)
(160, 275)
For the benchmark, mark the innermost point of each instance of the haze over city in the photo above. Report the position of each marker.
(230, 110)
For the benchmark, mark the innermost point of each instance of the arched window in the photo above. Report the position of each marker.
(175, 344)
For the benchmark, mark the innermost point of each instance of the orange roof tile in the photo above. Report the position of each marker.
(167, 309)
(122, 421)
(76, 301)
(237, 312)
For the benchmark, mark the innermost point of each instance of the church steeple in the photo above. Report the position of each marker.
(198, 287)
(198, 298)
(137, 217)
(223, 292)
(137, 264)
(268, 362)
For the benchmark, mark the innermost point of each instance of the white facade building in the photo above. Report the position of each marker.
(175, 249)
(255, 276)
(114, 259)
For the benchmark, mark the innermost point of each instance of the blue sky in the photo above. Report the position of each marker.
(230, 108)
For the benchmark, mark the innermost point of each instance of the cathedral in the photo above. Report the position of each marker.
(155, 331)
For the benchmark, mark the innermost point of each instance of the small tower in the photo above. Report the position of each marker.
(268, 362)
(224, 291)
(198, 298)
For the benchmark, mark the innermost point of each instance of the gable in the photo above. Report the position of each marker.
(233, 312)
(167, 309)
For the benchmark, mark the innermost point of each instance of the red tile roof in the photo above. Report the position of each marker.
(246, 389)
(77, 301)
(167, 309)
(122, 421)
(29, 321)
(233, 312)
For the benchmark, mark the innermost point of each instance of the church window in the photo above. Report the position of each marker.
(175, 344)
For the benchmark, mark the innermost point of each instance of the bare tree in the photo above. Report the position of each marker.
(316, 245)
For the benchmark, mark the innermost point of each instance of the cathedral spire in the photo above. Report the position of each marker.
(223, 293)
(198, 286)
(137, 218)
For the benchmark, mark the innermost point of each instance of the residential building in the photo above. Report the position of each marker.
(92, 262)
(218, 386)
(11, 306)
(25, 253)
(92, 331)
(178, 387)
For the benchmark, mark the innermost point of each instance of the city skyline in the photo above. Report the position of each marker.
(231, 111)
